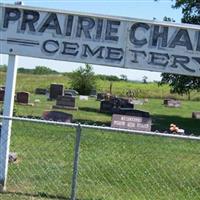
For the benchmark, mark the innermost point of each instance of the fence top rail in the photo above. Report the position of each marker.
(102, 128)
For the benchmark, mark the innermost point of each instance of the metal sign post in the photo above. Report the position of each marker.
(7, 124)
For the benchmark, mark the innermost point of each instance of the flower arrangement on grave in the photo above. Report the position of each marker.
(175, 129)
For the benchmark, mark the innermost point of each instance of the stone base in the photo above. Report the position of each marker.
(26, 104)
(65, 107)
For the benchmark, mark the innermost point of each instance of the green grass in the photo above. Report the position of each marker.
(111, 166)
(29, 82)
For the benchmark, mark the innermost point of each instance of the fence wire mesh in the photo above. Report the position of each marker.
(112, 165)
(43, 169)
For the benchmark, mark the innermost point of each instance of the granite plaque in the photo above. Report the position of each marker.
(55, 91)
(131, 122)
(57, 116)
(65, 102)
(22, 97)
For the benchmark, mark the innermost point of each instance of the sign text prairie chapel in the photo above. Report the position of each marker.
(101, 40)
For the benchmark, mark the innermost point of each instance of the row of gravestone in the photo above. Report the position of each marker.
(21, 97)
(59, 90)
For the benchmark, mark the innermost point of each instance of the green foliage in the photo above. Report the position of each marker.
(83, 80)
(179, 83)
(168, 19)
(39, 70)
(25, 71)
(107, 78)
(43, 70)
(190, 10)
(3, 68)
(123, 77)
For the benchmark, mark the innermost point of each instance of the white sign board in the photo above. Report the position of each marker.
(102, 40)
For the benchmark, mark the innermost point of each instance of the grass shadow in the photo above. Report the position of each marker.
(38, 195)
(89, 109)
(42, 195)
(91, 122)
(162, 123)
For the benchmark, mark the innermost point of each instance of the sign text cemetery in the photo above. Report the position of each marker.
(98, 39)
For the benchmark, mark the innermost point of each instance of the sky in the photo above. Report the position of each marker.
(142, 9)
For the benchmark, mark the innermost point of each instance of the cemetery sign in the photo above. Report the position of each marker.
(98, 39)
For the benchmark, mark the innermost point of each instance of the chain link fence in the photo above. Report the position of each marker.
(69, 161)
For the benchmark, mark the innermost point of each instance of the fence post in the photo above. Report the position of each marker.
(6, 123)
(76, 159)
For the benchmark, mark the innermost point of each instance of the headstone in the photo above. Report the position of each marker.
(65, 102)
(57, 116)
(93, 93)
(132, 112)
(114, 104)
(124, 102)
(55, 91)
(131, 122)
(41, 91)
(23, 98)
(106, 106)
(172, 103)
(196, 115)
(100, 96)
(2, 93)
(83, 97)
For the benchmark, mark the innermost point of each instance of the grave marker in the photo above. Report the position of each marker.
(172, 103)
(131, 122)
(57, 116)
(65, 102)
(55, 91)
(114, 104)
(23, 98)
(2, 93)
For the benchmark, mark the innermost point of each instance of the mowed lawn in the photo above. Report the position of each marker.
(112, 166)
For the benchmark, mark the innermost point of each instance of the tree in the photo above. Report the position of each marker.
(83, 79)
(144, 79)
(179, 83)
(43, 70)
(123, 77)
(3, 68)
